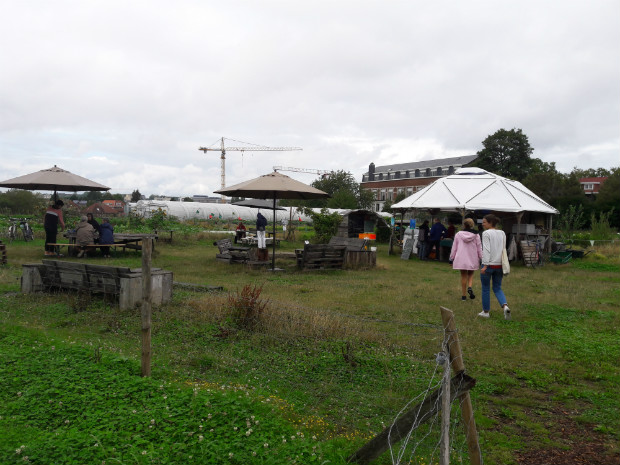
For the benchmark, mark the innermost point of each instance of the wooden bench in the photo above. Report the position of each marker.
(94, 247)
(229, 253)
(121, 282)
(321, 257)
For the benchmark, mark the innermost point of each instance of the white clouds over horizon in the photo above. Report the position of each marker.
(125, 93)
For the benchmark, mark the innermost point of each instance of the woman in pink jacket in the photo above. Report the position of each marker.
(466, 255)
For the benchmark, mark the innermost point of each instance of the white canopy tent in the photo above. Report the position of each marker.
(474, 189)
(471, 189)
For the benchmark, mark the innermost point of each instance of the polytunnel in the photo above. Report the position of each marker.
(205, 211)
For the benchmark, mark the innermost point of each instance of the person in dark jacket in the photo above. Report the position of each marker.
(438, 231)
(423, 239)
(53, 217)
(261, 225)
(95, 224)
(106, 236)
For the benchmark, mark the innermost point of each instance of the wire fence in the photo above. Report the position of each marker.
(341, 375)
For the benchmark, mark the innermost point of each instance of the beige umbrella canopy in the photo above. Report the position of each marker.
(53, 179)
(273, 186)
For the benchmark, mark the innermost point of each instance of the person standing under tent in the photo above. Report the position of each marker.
(261, 225)
(466, 255)
(438, 231)
(423, 240)
(493, 245)
(53, 217)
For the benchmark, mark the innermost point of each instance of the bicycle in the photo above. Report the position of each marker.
(20, 224)
(536, 256)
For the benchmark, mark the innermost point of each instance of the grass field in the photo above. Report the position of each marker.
(335, 357)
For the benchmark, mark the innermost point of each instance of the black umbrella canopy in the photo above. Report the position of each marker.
(53, 179)
(273, 186)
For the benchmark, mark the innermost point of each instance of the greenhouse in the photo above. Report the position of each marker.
(204, 211)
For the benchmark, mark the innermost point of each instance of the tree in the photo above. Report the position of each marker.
(507, 153)
(17, 201)
(608, 197)
(135, 196)
(344, 191)
(387, 206)
(555, 188)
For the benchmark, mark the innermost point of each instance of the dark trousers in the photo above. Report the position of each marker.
(50, 237)
(433, 244)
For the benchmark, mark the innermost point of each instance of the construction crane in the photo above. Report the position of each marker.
(249, 148)
(323, 173)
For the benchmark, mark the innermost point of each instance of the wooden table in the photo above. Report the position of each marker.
(124, 240)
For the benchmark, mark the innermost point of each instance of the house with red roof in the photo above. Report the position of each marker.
(591, 186)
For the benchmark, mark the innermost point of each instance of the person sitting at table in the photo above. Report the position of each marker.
(95, 224)
(106, 236)
(240, 232)
(84, 235)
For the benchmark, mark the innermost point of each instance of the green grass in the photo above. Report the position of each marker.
(332, 369)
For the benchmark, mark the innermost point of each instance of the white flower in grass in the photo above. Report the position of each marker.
(152, 421)
(283, 440)
(253, 454)
(230, 454)
(143, 452)
(235, 428)
(265, 445)
(200, 438)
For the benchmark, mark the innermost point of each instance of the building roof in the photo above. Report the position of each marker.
(419, 165)
(599, 179)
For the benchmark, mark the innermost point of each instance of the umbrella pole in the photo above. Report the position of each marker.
(273, 254)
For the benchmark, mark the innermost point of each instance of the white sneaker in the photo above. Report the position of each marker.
(506, 312)
(484, 314)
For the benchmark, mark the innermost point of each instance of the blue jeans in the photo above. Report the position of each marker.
(495, 274)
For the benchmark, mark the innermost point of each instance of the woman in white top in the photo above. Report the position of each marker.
(493, 244)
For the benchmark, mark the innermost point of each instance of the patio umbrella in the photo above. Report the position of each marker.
(53, 179)
(273, 186)
(256, 203)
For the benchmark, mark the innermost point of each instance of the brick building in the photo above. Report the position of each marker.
(591, 186)
(387, 181)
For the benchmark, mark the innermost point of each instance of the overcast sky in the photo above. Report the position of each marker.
(125, 92)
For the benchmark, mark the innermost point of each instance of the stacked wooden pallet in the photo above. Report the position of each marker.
(528, 251)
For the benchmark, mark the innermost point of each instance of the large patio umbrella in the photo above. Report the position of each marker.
(273, 186)
(256, 203)
(53, 179)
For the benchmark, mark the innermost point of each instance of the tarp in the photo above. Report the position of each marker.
(474, 189)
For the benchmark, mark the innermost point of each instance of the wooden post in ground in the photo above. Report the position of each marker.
(409, 420)
(444, 455)
(467, 410)
(147, 285)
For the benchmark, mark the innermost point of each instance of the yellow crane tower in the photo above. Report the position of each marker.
(249, 148)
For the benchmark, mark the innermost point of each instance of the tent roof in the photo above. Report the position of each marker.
(476, 189)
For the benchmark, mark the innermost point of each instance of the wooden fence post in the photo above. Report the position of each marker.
(147, 285)
(413, 418)
(444, 447)
(467, 410)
